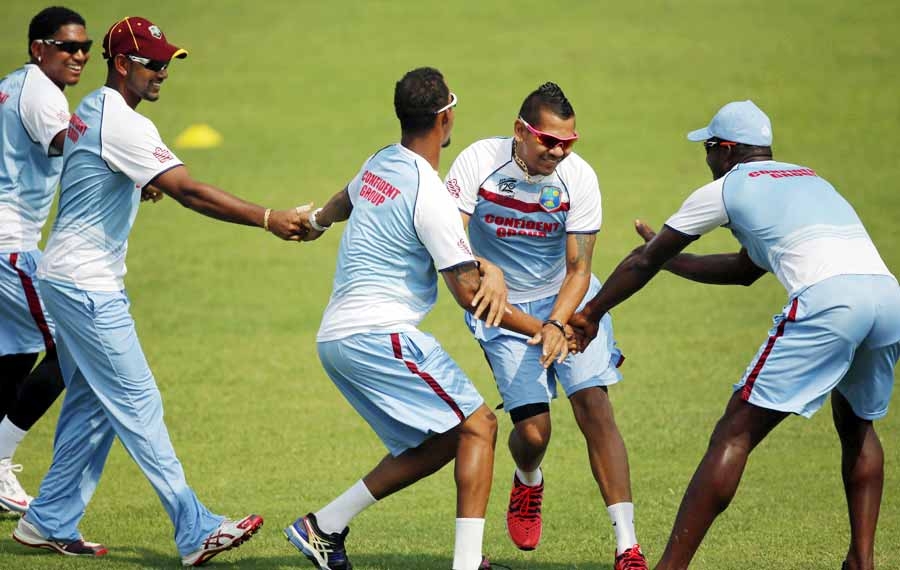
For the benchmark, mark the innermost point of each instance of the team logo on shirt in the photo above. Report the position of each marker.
(155, 32)
(550, 198)
(507, 185)
(162, 154)
(453, 187)
(77, 128)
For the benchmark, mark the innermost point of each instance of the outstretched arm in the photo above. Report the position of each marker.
(635, 271)
(215, 203)
(464, 281)
(716, 269)
(336, 209)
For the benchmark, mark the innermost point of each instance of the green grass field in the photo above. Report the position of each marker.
(302, 92)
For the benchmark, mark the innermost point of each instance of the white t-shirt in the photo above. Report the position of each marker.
(523, 225)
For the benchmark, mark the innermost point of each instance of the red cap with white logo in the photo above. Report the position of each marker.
(141, 37)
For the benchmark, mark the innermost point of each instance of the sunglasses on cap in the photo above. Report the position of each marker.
(453, 101)
(70, 47)
(710, 144)
(151, 64)
(548, 140)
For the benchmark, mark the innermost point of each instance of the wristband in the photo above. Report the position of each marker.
(315, 225)
(266, 219)
(555, 323)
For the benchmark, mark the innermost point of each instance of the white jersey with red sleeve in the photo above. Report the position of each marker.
(522, 225)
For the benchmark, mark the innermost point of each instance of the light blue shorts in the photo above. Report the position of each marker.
(25, 327)
(516, 364)
(403, 384)
(842, 333)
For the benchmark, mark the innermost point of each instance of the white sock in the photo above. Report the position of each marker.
(467, 550)
(622, 516)
(530, 478)
(10, 438)
(336, 515)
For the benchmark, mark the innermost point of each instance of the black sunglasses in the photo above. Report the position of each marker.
(70, 47)
(151, 64)
(710, 144)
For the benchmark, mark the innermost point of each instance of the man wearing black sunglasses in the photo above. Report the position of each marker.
(111, 154)
(532, 207)
(838, 335)
(34, 115)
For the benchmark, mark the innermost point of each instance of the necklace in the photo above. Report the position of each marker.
(521, 163)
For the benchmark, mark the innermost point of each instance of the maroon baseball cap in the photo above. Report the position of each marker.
(133, 35)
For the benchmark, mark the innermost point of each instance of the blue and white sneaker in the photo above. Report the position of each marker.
(325, 551)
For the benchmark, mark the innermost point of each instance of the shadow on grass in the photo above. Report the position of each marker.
(136, 557)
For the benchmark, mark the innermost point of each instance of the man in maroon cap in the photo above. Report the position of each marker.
(111, 155)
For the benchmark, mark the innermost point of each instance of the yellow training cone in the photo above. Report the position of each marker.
(199, 136)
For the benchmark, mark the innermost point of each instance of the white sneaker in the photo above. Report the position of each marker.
(25, 533)
(12, 496)
(229, 534)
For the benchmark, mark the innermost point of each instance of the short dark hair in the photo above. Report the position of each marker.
(548, 96)
(49, 20)
(417, 96)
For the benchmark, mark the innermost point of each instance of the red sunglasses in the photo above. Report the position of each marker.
(548, 140)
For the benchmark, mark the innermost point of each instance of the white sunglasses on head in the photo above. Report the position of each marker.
(453, 101)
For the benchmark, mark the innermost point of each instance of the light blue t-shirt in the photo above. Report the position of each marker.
(403, 226)
(792, 222)
(111, 153)
(33, 110)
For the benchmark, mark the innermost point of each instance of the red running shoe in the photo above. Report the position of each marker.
(631, 559)
(523, 518)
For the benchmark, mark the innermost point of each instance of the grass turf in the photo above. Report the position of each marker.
(302, 93)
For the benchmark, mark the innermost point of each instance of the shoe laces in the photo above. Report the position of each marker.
(219, 537)
(7, 466)
(527, 501)
(631, 559)
(322, 544)
(8, 478)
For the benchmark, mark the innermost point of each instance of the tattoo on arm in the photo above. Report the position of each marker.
(584, 249)
(466, 276)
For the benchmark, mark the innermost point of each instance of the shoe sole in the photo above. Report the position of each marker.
(53, 547)
(305, 548)
(234, 544)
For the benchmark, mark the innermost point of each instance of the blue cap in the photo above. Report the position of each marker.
(740, 122)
